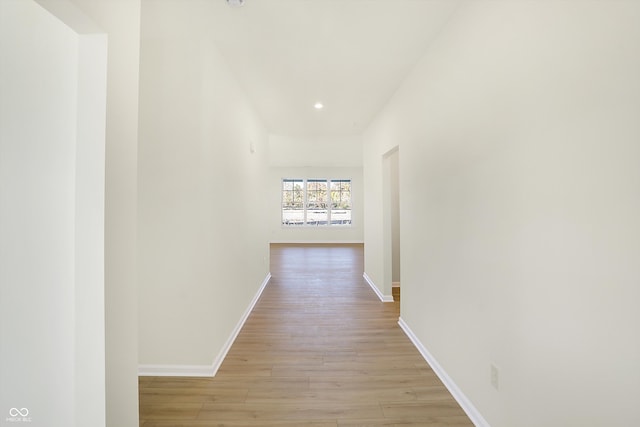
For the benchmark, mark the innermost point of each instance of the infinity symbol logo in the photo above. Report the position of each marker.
(14, 412)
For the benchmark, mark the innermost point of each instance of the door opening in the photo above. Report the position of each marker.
(391, 222)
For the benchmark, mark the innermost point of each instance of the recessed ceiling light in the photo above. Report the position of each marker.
(318, 106)
(235, 3)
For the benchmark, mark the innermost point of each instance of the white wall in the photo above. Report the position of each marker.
(309, 151)
(203, 248)
(120, 19)
(52, 136)
(519, 174)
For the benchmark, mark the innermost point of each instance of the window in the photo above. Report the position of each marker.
(316, 202)
(340, 202)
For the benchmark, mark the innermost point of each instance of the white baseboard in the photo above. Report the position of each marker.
(227, 346)
(471, 411)
(317, 242)
(383, 298)
(204, 370)
(175, 371)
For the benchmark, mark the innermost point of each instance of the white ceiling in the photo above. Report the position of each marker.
(349, 54)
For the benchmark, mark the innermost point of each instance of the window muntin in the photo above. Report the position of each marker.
(316, 202)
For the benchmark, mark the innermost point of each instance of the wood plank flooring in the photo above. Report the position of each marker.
(318, 350)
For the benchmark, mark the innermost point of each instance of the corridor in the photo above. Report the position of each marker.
(319, 349)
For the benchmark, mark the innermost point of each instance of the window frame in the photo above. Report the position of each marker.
(305, 203)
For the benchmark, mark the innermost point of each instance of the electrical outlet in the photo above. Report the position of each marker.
(495, 377)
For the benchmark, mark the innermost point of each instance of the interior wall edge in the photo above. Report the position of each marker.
(379, 294)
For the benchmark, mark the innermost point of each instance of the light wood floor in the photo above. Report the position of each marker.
(318, 350)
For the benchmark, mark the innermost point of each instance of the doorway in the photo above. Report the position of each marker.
(391, 222)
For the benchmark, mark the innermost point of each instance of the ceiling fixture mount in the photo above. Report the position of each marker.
(318, 106)
(235, 3)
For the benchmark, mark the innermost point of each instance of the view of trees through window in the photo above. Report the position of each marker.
(317, 202)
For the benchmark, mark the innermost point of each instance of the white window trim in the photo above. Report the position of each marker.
(304, 203)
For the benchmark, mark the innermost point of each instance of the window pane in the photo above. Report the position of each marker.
(317, 213)
(293, 201)
(341, 202)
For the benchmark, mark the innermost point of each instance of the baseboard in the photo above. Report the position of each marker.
(227, 346)
(175, 371)
(204, 370)
(383, 298)
(471, 411)
(317, 242)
